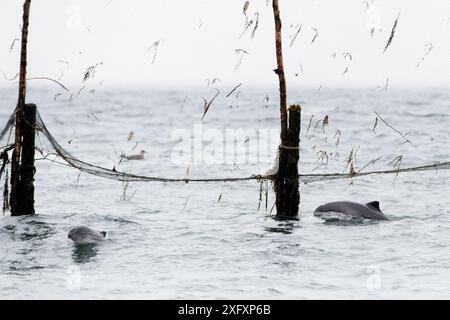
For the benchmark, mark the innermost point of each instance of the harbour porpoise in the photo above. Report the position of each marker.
(370, 210)
(85, 235)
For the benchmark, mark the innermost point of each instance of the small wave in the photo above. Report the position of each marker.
(341, 219)
(119, 220)
(32, 230)
(101, 217)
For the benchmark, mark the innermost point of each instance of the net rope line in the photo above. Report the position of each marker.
(102, 172)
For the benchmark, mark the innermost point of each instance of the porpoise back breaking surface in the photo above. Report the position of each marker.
(85, 235)
(370, 210)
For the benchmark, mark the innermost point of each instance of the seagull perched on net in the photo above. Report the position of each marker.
(139, 156)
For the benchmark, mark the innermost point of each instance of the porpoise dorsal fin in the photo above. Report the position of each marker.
(374, 205)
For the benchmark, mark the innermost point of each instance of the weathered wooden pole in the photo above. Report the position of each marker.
(16, 196)
(288, 194)
(280, 70)
(286, 179)
(27, 169)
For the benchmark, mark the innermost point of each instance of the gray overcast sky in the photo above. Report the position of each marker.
(199, 39)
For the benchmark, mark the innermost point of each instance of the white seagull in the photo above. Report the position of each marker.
(139, 156)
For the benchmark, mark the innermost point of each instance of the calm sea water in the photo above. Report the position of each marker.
(210, 240)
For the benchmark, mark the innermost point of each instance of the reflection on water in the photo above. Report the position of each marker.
(26, 230)
(284, 226)
(20, 267)
(84, 253)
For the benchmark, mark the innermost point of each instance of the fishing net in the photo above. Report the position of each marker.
(113, 174)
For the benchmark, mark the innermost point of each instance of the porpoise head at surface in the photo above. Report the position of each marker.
(370, 210)
(85, 235)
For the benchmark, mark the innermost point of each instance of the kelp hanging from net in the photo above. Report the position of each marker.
(113, 174)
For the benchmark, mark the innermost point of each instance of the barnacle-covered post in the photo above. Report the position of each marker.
(22, 161)
(286, 179)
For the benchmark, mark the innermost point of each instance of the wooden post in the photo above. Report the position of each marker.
(15, 199)
(286, 179)
(25, 187)
(287, 185)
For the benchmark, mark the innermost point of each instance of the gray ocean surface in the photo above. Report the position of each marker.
(218, 240)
